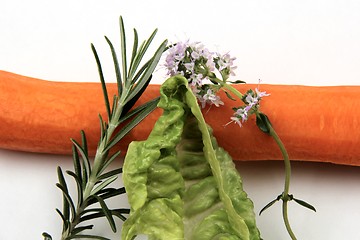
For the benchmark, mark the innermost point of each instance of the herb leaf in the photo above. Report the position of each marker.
(91, 174)
(181, 170)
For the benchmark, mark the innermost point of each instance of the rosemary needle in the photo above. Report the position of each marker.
(92, 176)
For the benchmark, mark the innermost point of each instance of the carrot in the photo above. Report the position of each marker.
(41, 116)
(315, 123)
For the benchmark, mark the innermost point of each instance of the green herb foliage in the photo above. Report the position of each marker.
(180, 183)
(92, 176)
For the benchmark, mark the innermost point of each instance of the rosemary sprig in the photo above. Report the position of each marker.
(92, 176)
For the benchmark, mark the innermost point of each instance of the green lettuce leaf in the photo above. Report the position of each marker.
(180, 183)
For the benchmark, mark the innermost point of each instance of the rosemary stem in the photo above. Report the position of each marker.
(98, 159)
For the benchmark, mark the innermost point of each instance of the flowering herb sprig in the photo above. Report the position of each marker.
(197, 64)
(251, 100)
(201, 68)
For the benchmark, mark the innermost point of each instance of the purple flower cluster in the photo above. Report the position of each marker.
(251, 100)
(197, 64)
(201, 67)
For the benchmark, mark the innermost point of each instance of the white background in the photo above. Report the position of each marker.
(280, 41)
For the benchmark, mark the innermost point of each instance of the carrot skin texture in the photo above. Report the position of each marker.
(41, 116)
(315, 123)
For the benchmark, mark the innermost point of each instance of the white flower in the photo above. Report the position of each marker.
(261, 94)
(226, 62)
(196, 80)
(240, 116)
(251, 100)
(195, 55)
(190, 66)
(212, 98)
(236, 120)
(210, 64)
(175, 55)
(197, 64)
(242, 113)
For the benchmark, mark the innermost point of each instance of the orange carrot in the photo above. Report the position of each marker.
(315, 123)
(41, 116)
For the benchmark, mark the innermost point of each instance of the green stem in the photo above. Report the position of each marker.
(74, 222)
(285, 195)
(272, 132)
(285, 157)
(98, 159)
(286, 220)
(233, 90)
(229, 87)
